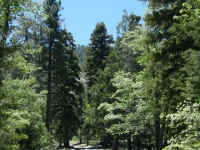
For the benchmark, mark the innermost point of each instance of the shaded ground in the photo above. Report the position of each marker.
(82, 146)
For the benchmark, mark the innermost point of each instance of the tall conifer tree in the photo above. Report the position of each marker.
(51, 9)
(97, 52)
(18, 99)
(95, 61)
(66, 102)
(170, 40)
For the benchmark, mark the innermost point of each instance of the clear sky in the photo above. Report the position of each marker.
(81, 16)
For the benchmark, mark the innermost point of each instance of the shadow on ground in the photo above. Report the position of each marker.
(82, 146)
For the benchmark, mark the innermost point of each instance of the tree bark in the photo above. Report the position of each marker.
(161, 135)
(157, 136)
(87, 140)
(129, 144)
(138, 146)
(105, 141)
(149, 146)
(48, 102)
(165, 139)
(115, 144)
(66, 130)
(66, 135)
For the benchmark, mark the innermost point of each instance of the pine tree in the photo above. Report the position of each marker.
(102, 89)
(51, 9)
(95, 61)
(66, 102)
(97, 52)
(127, 57)
(120, 58)
(170, 39)
(20, 104)
(188, 83)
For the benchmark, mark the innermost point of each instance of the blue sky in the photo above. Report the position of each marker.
(81, 16)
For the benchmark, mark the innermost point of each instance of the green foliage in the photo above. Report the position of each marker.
(126, 55)
(117, 110)
(22, 108)
(67, 89)
(170, 39)
(80, 51)
(162, 52)
(129, 113)
(49, 42)
(97, 51)
(97, 87)
(128, 23)
(20, 104)
(100, 90)
(189, 11)
(145, 87)
(187, 115)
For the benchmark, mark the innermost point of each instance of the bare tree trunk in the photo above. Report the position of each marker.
(138, 146)
(87, 140)
(66, 135)
(165, 139)
(66, 131)
(149, 146)
(161, 134)
(157, 136)
(129, 144)
(60, 142)
(115, 144)
(105, 141)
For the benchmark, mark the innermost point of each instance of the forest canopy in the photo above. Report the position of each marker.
(140, 90)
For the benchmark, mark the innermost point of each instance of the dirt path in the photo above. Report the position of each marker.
(84, 146)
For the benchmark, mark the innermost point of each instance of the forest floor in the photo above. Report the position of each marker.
(85, 146)
(75, 145)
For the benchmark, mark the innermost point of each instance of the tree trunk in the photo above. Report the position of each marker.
(109, 140)
(157, 135)
(129, 144)
(161, 135)
(66, 135)
(160, 127)
(115, 144)
(80, 140)
(87, 140)
(165, 140)
(105, 141)
(157, 123)
(48, 103)
(149, 146)
(60, 142)
(138, 146)
(66, 130)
